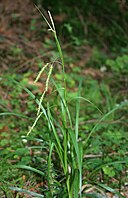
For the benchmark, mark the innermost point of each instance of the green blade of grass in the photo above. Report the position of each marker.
(57, 143)
(75, 183)
(103, 118)
(94, 195)
(51, 146)
(51, 121)
(65, 143)
(79, 153)
(82, 98)
(21, 190)
(13, 114)
(29, 168)
(38, 102)
(78, 110)
(76, 147)
(110, 190)
(31, 95)
(65, 106)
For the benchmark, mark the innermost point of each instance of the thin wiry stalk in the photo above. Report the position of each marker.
(52, 28)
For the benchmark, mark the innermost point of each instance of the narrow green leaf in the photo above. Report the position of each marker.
(75, 144)
(76, 184)
(57, 143)
(25, 191)
(111, 190)
(28, 168)
(65, 106)
(103, 118)
(31, 95)
(13, 114)
(82, 98)
(94, 195)
(78, 110)
(51, 145)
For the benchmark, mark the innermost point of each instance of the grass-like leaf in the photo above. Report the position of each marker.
(111, 190)
(13, 114)
(29, 168)
(24, 191)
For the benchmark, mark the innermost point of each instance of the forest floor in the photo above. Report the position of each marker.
(25, 44)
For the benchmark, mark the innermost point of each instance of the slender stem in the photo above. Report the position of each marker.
(62, 59)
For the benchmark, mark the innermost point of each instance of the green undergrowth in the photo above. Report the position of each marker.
(99, 23)
(106, 149)
(70, 138)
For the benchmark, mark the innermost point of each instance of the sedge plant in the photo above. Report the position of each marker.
(63, 131)
(64, 142)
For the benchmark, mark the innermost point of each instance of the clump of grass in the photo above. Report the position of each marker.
(66, 144)
(63, 129)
